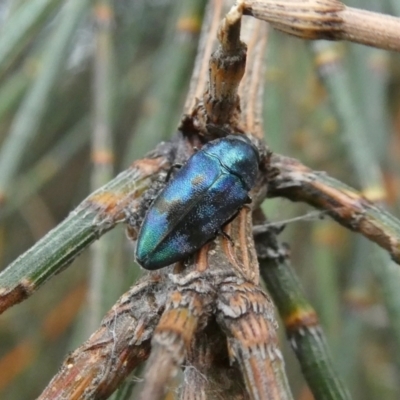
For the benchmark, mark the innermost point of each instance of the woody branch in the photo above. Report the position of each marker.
(327, 19)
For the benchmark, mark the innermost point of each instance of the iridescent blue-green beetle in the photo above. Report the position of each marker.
(204, 194)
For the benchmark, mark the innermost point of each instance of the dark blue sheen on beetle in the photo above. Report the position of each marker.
(204, 194)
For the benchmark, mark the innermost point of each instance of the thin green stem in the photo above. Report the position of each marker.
(17, 31)
(162, 107)
(100, 212)
(46, 168)
(27, 121)
(102, 150)
(11, 92)
(302, 327)
(357, 133)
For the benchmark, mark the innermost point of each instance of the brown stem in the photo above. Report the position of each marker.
(227, 65)
(251, 89)
(172, 337)
(215, 11)
(328, 19)
(372, 29)
(247, 316)
(208, 373)
(290, 179)
(121, 343)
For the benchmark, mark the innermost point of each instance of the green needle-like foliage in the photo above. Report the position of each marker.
(87, 88)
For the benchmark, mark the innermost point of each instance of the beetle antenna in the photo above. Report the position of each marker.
(280, 225)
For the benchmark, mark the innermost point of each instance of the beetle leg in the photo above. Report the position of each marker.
(225, 235)
(274, 227)
(169, 173)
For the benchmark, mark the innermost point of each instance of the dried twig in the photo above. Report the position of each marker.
(302, 326)
(292, 180)
(327, 19)
(95, 369)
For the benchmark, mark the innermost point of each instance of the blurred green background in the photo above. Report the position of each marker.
(86, 87)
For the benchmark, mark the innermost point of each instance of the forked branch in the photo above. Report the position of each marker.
(217, 293)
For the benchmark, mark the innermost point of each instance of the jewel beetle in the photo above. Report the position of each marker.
(204, 194)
